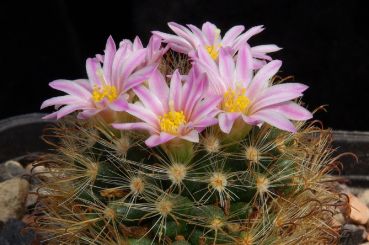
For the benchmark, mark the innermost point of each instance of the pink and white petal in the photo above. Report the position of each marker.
(155, 140)
(232, 34)
(172, 39)
(84, 83)
(210, 31)
(143, 114)
(183, 32)
(266, 48)
(159, 88)
(275, 119)
(193, 91)
(226, 121)
(258, 64)
(68, 109)
(200, 36)
(92, 67)
(203, 108)
(246, 36)
(110, 50)
(120, 104)
(134, 126)
(244, 65)
(149, 100)
(226, 68)
(293, 111)
(175, 92)
(262, 77)
(61, 100)
(206, 59)
(50, 116)
(250, 120)
(138, 77)
(131, 63)
(154, 44)
(205, 122)
(277, 94)
(85, 114)
(261, 56)
(137, 44)
(71, 88)
(192, 136)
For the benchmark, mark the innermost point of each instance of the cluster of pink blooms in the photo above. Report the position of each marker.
(228, 81)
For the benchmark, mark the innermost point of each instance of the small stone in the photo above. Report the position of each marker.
(13, 195)
(339, 218)
(359, 211)
(32, 197)
(364, 197)
(352, 234)
(11, 169)
(41, 172)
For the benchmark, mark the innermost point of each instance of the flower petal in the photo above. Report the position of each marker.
(210, 31)
(226, 121)
(244, 65)
(149, 100)
(175, 92)
(110, 50)
(138, 77)
(275, 119)
(85, 114)
(205, 107)
(131, 63)
(61, 100)
(159, 88)
(155, 140)
(242, 39)
(277, 94)
(266, 48)
(137, 44)
(133, 126)
(183, 32)
(120, 104)
(72, 88)
(92, 68)
(262, 77)
(232, 34)
(293, 111)
(226, 68)
(179, 44)
(65, 110)
(192, 136)
(143, 114)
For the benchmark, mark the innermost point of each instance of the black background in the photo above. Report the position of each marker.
(325, 45)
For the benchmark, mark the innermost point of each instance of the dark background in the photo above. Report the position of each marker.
(325, 45)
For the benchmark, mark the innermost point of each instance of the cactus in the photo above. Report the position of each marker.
(255, 184)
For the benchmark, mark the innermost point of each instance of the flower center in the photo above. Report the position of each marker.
(105, 91)
(171, 121)
(235, 101)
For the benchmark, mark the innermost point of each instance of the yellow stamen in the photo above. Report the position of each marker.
(213, 51)
(171, 121)
(105, 91)
(235, 101)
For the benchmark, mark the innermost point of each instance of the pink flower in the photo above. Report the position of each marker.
(251, 96)
(190, 40)
(178, 111)
(154, 49)
(106, 87)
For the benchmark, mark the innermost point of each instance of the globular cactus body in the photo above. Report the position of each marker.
(252, 179)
